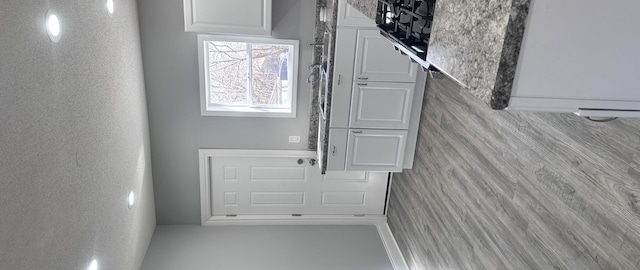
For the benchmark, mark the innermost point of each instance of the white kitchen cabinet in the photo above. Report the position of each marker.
(345, 90)
(348, 16)
(220, 16)
(337, 152)
(375, 150)
(385, 105)
(377, 60)
(342, 77)
(375, 106)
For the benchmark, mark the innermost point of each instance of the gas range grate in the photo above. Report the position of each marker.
(407, 23)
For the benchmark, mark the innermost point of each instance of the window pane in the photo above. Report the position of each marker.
(228, 72)
(270, 75)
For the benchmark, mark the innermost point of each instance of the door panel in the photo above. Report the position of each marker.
(280, 186)
(346, 176)
(377, 60)
(278, 174)
(344, 198)
(277, 198)
(381, 105)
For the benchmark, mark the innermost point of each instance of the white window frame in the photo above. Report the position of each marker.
(244, 111)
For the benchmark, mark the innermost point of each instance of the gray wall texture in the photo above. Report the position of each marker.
(177, 128)
(73, 138)
(267, 247)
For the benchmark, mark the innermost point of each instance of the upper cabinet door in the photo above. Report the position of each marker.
(377, 60)
(350, 17)
(222, 16)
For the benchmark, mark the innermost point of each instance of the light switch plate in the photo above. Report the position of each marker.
(294, 139)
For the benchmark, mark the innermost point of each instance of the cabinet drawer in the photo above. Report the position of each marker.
(377, 60)
(381, 105)
(337, 150)
(342, 77)
(375, 150)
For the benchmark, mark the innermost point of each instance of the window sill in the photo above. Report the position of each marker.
(249, 112)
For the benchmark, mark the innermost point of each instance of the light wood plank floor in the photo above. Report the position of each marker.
(517, 190)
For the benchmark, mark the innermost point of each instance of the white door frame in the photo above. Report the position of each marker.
(207, 218)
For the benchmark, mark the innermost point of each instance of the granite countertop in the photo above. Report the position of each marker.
(319, 126)
(475, 42)
(331, 19)
(367, 7)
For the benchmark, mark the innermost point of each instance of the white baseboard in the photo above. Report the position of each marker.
(289, 220)
(390, 244)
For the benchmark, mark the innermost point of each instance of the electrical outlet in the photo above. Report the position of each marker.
(294, 139)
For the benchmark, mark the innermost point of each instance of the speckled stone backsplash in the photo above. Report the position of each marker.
(331, 9)
(315, 86)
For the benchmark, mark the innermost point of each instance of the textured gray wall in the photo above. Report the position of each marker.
(178, 130)
(73, 138)
(266, 247)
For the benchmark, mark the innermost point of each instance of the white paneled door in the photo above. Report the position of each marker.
(252, 182)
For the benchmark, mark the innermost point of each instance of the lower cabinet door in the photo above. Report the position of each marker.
(381, 105)
(376, 150)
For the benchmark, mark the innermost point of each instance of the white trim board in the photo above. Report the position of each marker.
(290, 220)
(392, 248)
(568, 105)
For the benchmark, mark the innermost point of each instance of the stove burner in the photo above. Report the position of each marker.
(407, 23)
(425, 10)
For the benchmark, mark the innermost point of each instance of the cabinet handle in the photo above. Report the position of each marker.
(333, 150)
(362, 84)
(363, 78)
(339, 79)
(356, 131)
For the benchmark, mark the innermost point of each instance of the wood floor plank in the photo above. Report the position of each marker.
(517, 190)
(492, 200)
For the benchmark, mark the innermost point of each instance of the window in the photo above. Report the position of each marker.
(248, 76)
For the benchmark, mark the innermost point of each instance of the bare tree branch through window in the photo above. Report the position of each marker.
(249, 74)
